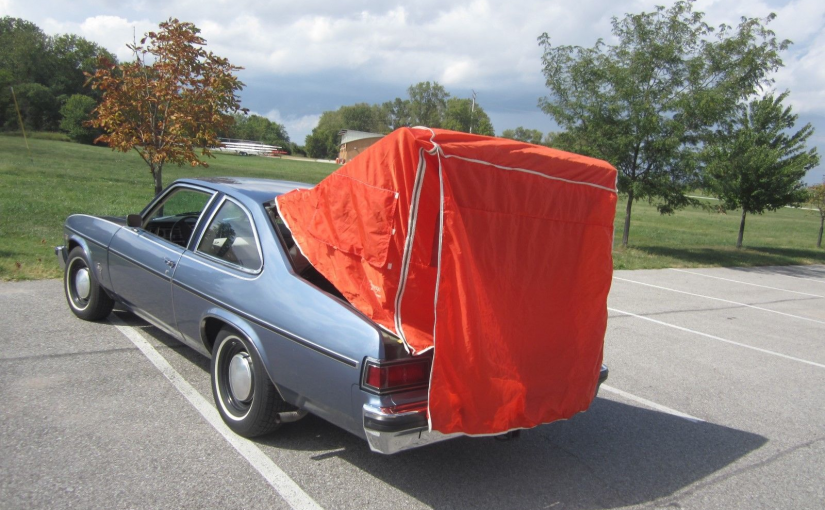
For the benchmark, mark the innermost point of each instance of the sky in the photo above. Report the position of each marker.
(303, 58)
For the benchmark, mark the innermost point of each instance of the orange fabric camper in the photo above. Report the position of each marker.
(494, 253)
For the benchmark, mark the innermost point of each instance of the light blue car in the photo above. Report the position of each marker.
(210, 262)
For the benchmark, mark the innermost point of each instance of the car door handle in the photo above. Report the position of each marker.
(169, 262)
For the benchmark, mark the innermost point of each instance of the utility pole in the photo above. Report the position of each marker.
(472, 111)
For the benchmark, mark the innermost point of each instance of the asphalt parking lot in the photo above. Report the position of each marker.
(716, 399)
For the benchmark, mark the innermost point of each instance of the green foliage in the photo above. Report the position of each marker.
(645, 103)
(38, 107)
(395, 114)
(428, 104)
(44, 71)
(522, 134)
(755, 163)
(76, 113)
(259, 129)
(459, 116)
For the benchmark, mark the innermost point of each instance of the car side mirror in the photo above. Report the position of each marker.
(134, 220)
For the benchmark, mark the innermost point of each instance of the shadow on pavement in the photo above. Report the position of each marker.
(614, 455)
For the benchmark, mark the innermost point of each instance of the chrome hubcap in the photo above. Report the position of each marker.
(82, 284)
(240, 376)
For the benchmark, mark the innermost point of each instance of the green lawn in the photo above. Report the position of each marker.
(63, 178)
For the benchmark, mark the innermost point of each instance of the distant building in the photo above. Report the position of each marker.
(353, 142)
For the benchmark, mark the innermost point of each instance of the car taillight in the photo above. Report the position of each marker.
(396, 376)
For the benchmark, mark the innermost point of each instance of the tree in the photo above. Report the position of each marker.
(43, 70)
(395, 114)
(460, 116)
(522, 134)
(257, 128)
(816, 197)
(428, 102)
(168, 107)
(72, 58)
(646, 103)
(76, 113)
(754, 162)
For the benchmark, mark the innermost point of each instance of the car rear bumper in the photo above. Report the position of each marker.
(62, 256)
(391, 432)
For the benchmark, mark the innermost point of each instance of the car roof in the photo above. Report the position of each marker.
(258, 190)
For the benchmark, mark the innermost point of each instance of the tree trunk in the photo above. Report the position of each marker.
(821, 226)
(741, 230)
(157, 174)
(626, 232)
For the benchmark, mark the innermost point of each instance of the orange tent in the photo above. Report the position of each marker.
(493, 252)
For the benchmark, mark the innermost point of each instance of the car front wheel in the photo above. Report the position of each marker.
(86, 298)
(247, 400)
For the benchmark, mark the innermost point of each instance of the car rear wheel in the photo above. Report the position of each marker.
(247, 400)
(86, 298)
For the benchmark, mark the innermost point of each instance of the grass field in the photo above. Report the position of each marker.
(61, 178)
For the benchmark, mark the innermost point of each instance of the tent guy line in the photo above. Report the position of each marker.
(746, 283)
(714, 337)
(720, 299)
(292, 494)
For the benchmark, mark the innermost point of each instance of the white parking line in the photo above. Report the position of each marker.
(280, 481)
(714, 337)
(647, 403)
(720, 299)
(746, 283)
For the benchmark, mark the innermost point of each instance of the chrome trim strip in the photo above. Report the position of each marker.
(271, 327)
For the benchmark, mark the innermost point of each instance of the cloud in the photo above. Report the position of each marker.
(298, 126)
(111, 32)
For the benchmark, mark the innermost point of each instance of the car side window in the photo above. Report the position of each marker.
(230, 237)
(175, 217)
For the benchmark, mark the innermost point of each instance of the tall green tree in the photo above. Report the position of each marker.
(324, 141)
(45, 71)
(396, 114)
(645, 103)
(756, 162)
(460, 116)
(523, 134)
(428, 103)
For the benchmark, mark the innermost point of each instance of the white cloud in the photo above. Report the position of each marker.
(111, 32)
(298, 126)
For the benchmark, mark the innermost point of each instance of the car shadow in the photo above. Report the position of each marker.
(611, 456)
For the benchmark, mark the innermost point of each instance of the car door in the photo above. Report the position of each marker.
(142, 261)
(220, 268)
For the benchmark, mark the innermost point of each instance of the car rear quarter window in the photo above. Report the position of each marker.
(230, 237)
